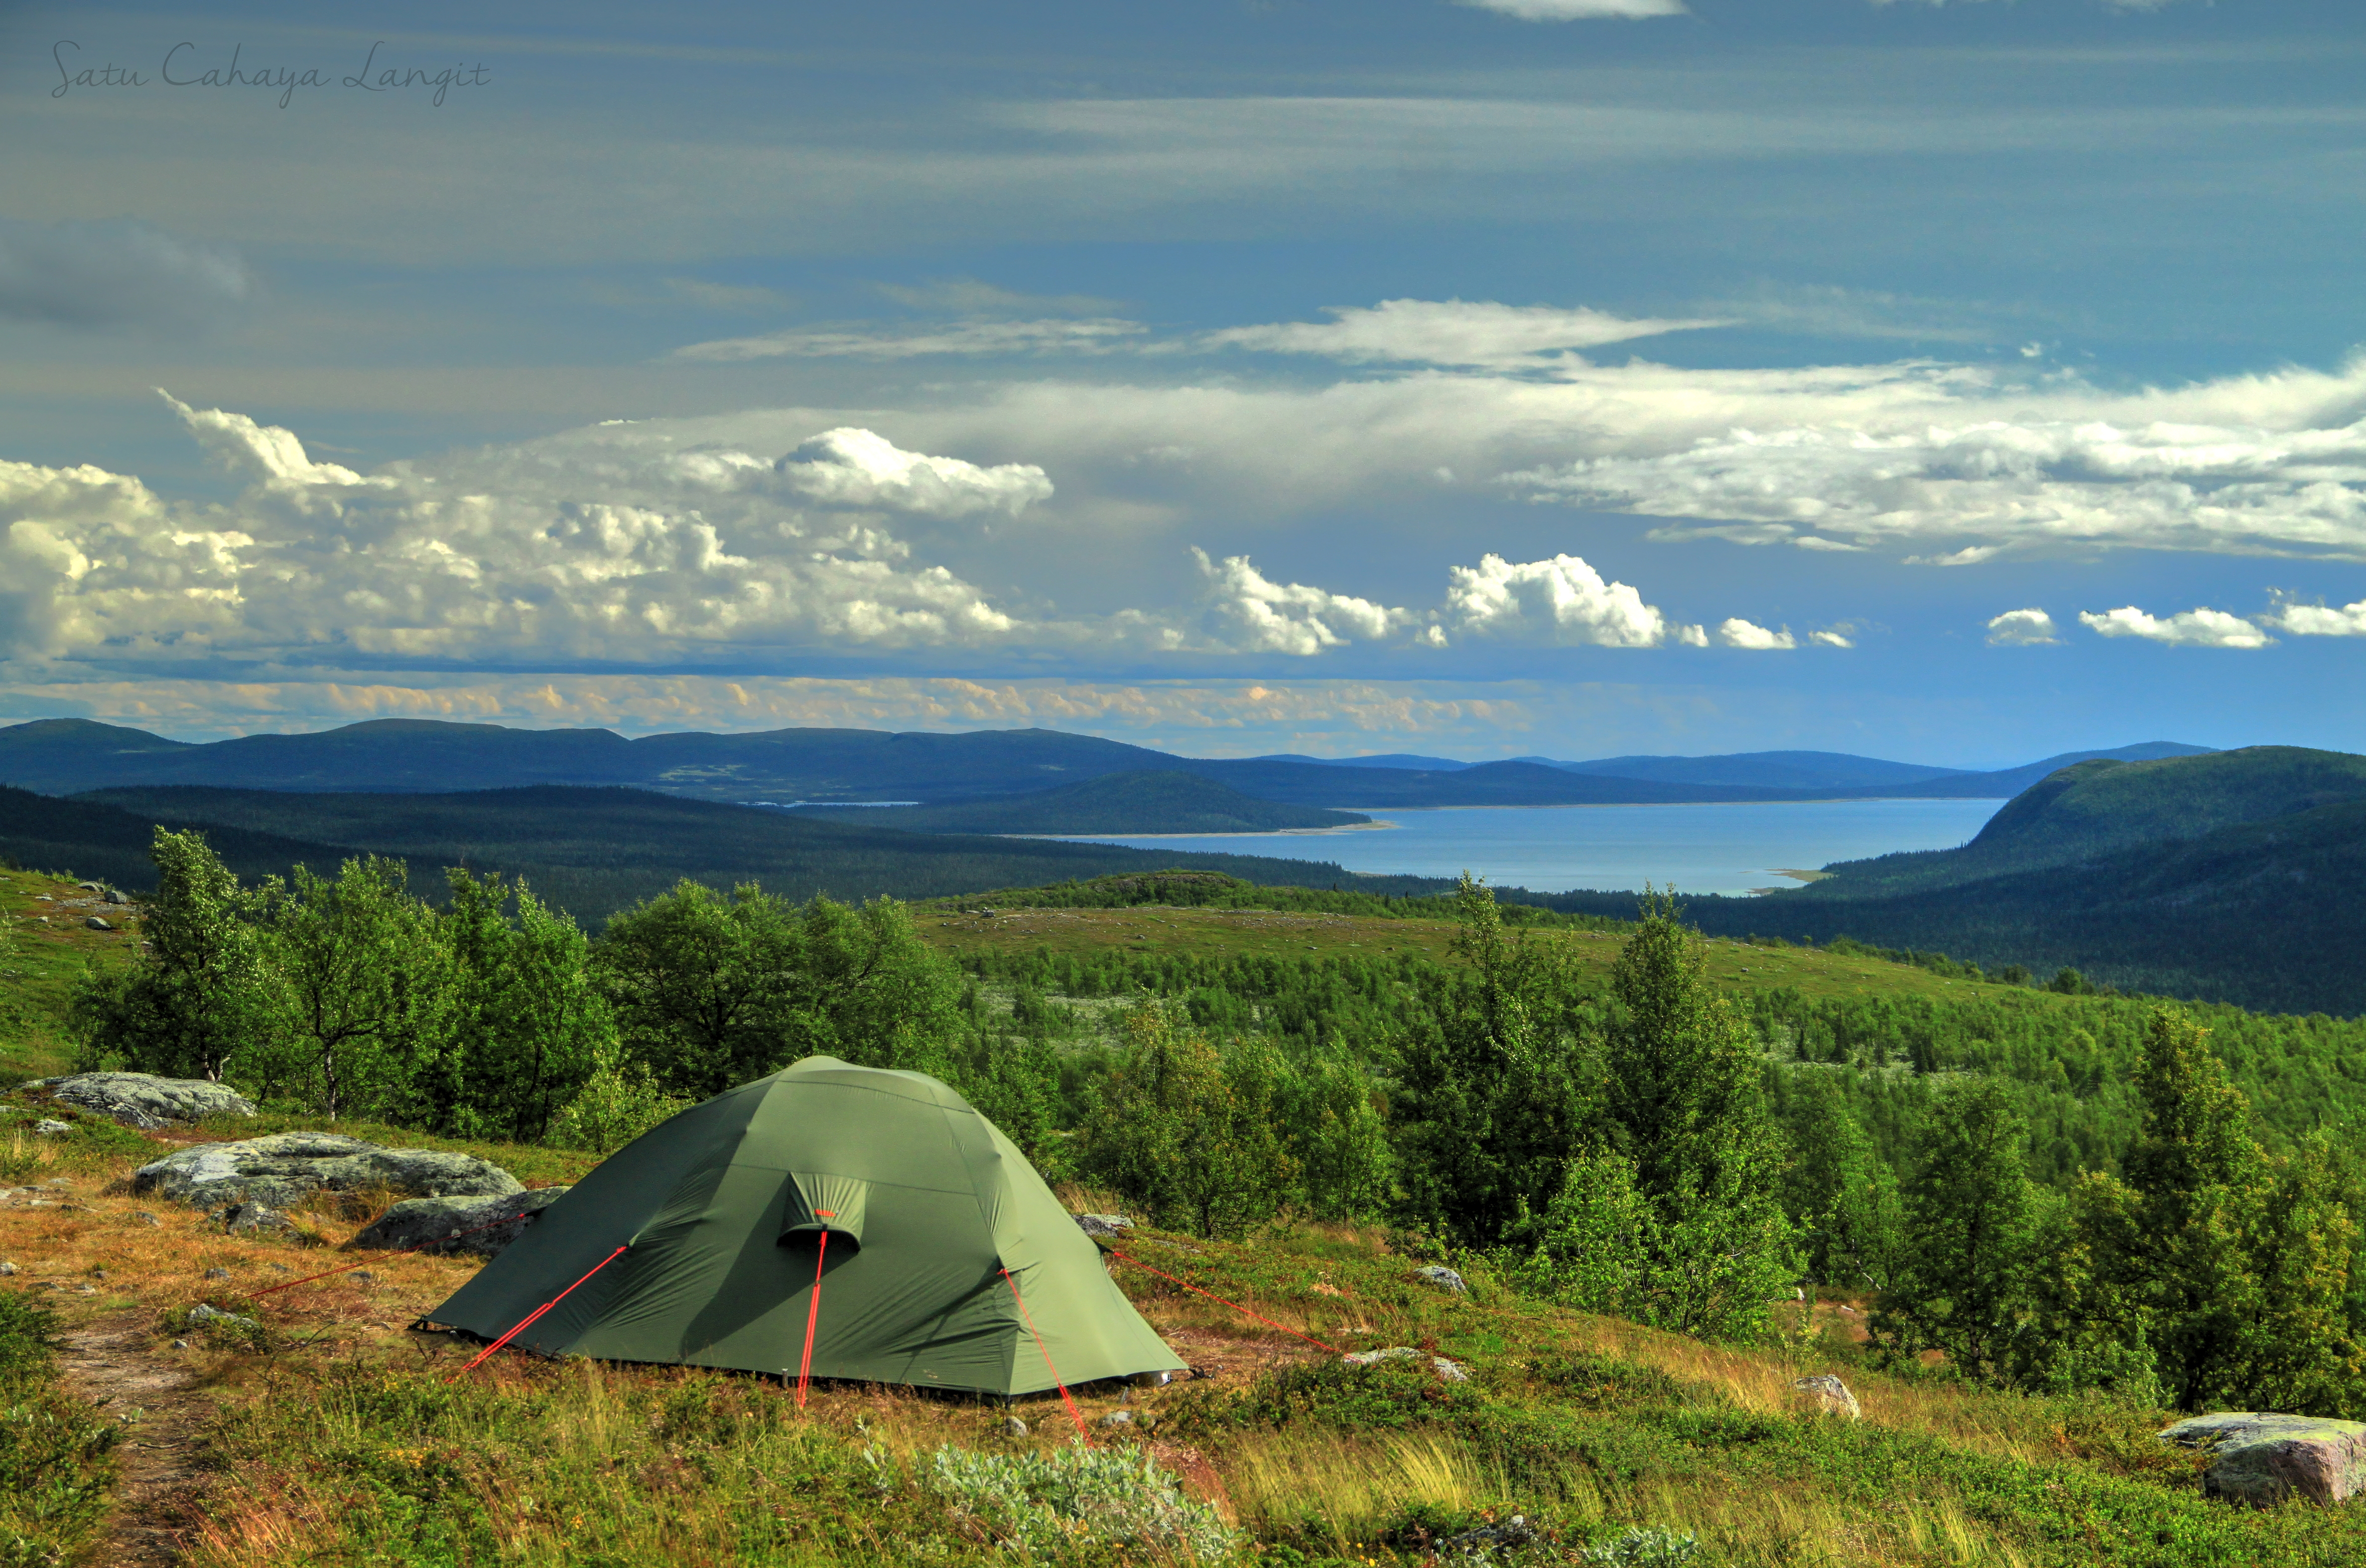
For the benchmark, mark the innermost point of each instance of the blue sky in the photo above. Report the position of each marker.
(1960, 383)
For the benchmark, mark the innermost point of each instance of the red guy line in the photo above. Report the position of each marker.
(1073, 1414)
(537, 1312)
(431, 1241)
(812, 1312)
(1234, 1305)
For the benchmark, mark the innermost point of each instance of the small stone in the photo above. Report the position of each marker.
(95, 923)
(98, 1273)
(180, 1344)
(250, 1219)
(206, 1313)
(363, 1277)
(45, 1127)
(1118, 1418)
(86, 1290)
(1445, 1278)
(1452, 1371)
(8, 1269)
(217, 1273)
(1102, 1226)
(144, 1217)
(1012, 1426)
(281, 1268)
(1832, 1396)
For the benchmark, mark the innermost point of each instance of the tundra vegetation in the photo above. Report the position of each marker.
(2021, 1223)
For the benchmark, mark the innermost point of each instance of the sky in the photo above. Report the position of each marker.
(1960, 383)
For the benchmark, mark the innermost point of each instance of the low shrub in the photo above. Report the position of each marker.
(1042, 1503)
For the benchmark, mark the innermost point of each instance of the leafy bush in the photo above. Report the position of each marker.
(1644, 1547)
(619, 1102)
(1075, 1496)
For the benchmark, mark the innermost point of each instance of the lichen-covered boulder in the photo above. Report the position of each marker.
(1832, 1396)
(284, 1169)
(481, 1226)
(1101, 1227)
(2263, 1459)
(1444, 1278)
(143, 1099)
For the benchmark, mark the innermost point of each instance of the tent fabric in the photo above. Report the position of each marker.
(722, 1208)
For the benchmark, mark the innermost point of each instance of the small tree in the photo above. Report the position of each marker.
(1962, 1283)
(527, 1020)
(1186, 1131)
(197, 997)
(1501, 1086)
(363, 988)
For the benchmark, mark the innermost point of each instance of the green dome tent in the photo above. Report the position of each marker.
(720, 1214)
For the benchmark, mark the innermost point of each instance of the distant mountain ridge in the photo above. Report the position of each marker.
(62, 756)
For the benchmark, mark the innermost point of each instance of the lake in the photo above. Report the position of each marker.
(1551, 849)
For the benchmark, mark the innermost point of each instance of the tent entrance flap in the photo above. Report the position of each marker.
(819, 1202)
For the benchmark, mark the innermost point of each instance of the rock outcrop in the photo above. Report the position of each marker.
(143, 1099)
(1832, 1396)
(2263, 1459)
(1444, 1278)
(1452, 1371)
(1100, 1227)
(284, 1169)
(478, 1227)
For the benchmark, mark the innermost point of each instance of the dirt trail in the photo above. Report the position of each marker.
(113, 1359)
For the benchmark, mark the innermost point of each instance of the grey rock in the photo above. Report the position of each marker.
(435, 1226)
(97, 923)
(363, 1277)
(143, 1099)
(180, 1344)
(92, 887)
(1012, 1426)
(1102, 1226)
(1445, 1278)
(284, 1169)
(8, 1269)
(1118, 1418)
(47, 1128)
(217, 1273)
(1487, 1539)
(205, 1312)
(114, 896)
(1832, 1396)
(2263, 1459)
(144, 1217)
(249, 1219)
(1452, 1371)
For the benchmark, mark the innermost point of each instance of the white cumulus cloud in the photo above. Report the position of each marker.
(2021, 628)
(1561, 600)
(848, 466)
(1736, 632)
(1248, 612)
(2201, 628)
(1447, 332)
(2316, 620)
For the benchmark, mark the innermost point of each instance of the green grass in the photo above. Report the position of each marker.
(54, 1469)
(39, 966)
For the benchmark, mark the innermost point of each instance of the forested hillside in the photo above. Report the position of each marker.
(588, 850)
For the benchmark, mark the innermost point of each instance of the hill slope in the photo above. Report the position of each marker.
(1115, 802)
(2230, 876)
(597, 850)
